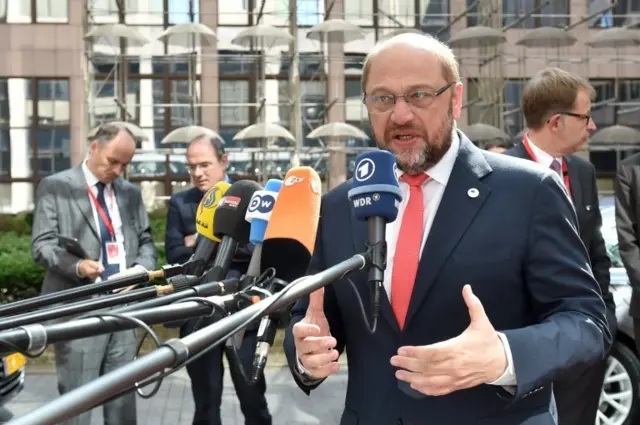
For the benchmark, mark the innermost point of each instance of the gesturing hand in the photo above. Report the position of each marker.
(474, 357)
(315, 346)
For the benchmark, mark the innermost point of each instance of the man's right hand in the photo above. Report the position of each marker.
(190, 241)
(315, 347)
(90, 269)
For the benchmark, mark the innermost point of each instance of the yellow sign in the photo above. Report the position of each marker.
(13, 363)
(207, 210)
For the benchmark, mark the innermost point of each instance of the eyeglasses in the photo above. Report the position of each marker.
(584, 117)
(419, 98)
(204, 166)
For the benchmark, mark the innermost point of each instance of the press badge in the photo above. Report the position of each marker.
(113, 253)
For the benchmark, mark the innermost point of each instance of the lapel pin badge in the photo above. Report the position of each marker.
(473, 193)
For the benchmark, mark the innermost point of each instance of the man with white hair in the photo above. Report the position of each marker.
(490, 297)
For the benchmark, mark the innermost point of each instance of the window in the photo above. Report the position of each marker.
(435, 20)
(603, 114)
(360, 12)
(157, 101)
(34, 127)
(514, 121)
(34, 11)
(309, 12)
(624, 13)
(527, 14)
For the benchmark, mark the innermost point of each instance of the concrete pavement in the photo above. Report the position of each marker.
(173, 404)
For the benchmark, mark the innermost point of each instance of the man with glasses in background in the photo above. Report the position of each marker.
(207, 162)
(557, 105)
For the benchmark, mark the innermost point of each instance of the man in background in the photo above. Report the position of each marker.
(106, 215)
(207, 163)
(626, 189)
(557, 106)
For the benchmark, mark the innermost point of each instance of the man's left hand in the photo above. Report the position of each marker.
(474, 357)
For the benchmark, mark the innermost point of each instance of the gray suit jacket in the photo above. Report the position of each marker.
(63, 207)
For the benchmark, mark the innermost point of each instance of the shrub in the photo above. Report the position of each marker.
(20, 277)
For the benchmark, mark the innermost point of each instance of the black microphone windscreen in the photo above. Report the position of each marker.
(230, 219)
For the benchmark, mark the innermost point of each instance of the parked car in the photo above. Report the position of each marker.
(11, 377)
(619, 401)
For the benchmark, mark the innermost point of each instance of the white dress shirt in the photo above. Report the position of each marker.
(114, 213)
(432, 192)
(543, 158)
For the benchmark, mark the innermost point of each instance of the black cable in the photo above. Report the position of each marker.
(371, 327)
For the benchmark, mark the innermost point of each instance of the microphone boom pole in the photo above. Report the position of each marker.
(35, 337)
(91, 289)
(176, 351)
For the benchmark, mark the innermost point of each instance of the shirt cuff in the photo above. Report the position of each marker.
(508, 378)
(78, 270)
(305, 376)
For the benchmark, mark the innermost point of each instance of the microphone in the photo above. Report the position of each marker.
(291, 233)
(206, 242)
(375, 196)
(258, 215)
(288, 244)
(230, 226)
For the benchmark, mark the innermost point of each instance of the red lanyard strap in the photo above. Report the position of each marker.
(103, 214)
(532, 155)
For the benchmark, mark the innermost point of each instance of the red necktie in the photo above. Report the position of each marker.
(407, 255)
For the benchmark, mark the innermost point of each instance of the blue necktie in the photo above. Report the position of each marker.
(105, 236)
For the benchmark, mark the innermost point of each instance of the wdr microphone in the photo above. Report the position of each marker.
(230, 225)
(375, 196)
(291, 233)
(258, 215)
(206, 241)
(288, 244)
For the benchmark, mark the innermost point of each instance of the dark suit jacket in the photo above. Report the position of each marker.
(584, 194)
(63, 207)
(627, 185)
(524, 261)
(181, 222)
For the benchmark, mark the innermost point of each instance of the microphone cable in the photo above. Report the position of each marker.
(263, 280)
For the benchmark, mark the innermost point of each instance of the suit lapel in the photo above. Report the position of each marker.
(80, 195)
(360, 232)
(456, 212)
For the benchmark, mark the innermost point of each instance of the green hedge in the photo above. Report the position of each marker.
(20, 277)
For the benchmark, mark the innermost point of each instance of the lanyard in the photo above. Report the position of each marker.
(103, 214)
(534, 158)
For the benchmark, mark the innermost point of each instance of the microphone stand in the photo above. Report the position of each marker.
(176, 351)
(154, 292)
(91, 289)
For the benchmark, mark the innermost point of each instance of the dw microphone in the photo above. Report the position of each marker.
(258, 215)
(375, 196)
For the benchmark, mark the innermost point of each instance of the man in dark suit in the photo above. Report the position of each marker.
(627, 188)
(490, 293)
(207, 164)
(105, 213)
(556, 105)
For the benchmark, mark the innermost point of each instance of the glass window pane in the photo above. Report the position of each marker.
(21, 107)
(181, 112)
(237, 13)
(56, 11)
(53, 149)
(234, 92)
(148, 12)
(18, 11)
(184, 11)
(435, 18)
(5, 152)
(53, 102)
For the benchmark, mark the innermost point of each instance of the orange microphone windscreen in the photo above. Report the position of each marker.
(290, 237)
(207, 209)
